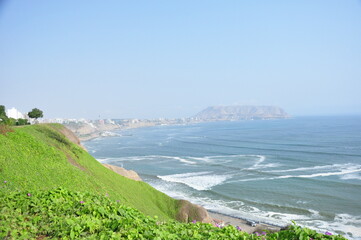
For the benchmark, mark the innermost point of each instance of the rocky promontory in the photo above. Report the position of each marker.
(234, 113)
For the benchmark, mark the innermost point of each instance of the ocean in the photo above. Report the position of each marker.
(302, 169)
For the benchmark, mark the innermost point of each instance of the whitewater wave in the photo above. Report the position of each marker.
(351, 176)
(320, 174)
(345, 224)
(345, 171)
(146, 158)
(348, 224)
(244, 162)
(199, 180)
(183, 160)
(260, 160)
(333, 166)
(327, 174)
(232, 208)
(103, 160)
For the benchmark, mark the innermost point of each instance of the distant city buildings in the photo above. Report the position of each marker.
(14, 113)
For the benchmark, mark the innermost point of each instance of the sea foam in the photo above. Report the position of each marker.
(199, 180)
(314, 168)
(326, 174)
(350, 176)
(182, 160)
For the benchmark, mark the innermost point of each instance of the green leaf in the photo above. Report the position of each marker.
(72, 234)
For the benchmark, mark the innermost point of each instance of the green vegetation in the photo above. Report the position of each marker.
(5, 129)
(5, 120)
(22, 121)
(35, 113)
(14, 122)
(3, 117)
(39, 157)
(42, 172)
(63, 214)
(2, 113)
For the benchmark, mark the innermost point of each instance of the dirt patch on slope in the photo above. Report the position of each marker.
(74, 139)
(5, 129)
(71, 136)
(75, 164)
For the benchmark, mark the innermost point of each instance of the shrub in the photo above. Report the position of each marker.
(22, 121)
(63, 214)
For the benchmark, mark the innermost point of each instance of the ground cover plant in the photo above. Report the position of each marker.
(64, 214)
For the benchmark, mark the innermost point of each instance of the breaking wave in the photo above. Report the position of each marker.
(332, 166)
(321, 174)
(198, 181)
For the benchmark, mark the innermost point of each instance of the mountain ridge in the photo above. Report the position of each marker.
(241, 112)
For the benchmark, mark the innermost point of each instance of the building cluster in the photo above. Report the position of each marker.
(74, 120)
(16, 114)
(130, 122)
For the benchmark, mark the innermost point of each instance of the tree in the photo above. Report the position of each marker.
(3, 117)
(2, 110)
(22, 121)
(35, 113)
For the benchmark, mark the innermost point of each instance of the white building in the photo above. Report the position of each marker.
(14, 113)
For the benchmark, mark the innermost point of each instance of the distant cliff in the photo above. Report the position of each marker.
(233, 113)
(86, 130)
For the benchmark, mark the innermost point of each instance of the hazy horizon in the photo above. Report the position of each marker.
(117, 59)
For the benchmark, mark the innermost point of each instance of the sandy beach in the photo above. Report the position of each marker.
(228, 220)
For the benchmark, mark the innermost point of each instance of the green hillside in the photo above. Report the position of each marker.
(39, 157)
(50, 188)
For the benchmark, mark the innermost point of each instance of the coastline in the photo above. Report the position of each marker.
(108, 133)
(342, 223)
(215, 218)
(223, 220)
(92, 129)
(218, 218)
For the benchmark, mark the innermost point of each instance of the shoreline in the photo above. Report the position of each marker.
(336, 226)
(218, 218)
(215, 218)
(224, 220)
(110, 132)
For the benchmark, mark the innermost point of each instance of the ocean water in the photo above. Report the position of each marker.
(305, 169)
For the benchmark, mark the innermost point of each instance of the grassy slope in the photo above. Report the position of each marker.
(63, 214)
(38, 158)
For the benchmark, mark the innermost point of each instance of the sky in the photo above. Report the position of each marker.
(151, 59)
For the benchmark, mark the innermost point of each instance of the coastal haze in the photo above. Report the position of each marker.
(148, 60)
(89, 129)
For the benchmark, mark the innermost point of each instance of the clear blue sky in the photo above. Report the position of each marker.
(149, 59)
